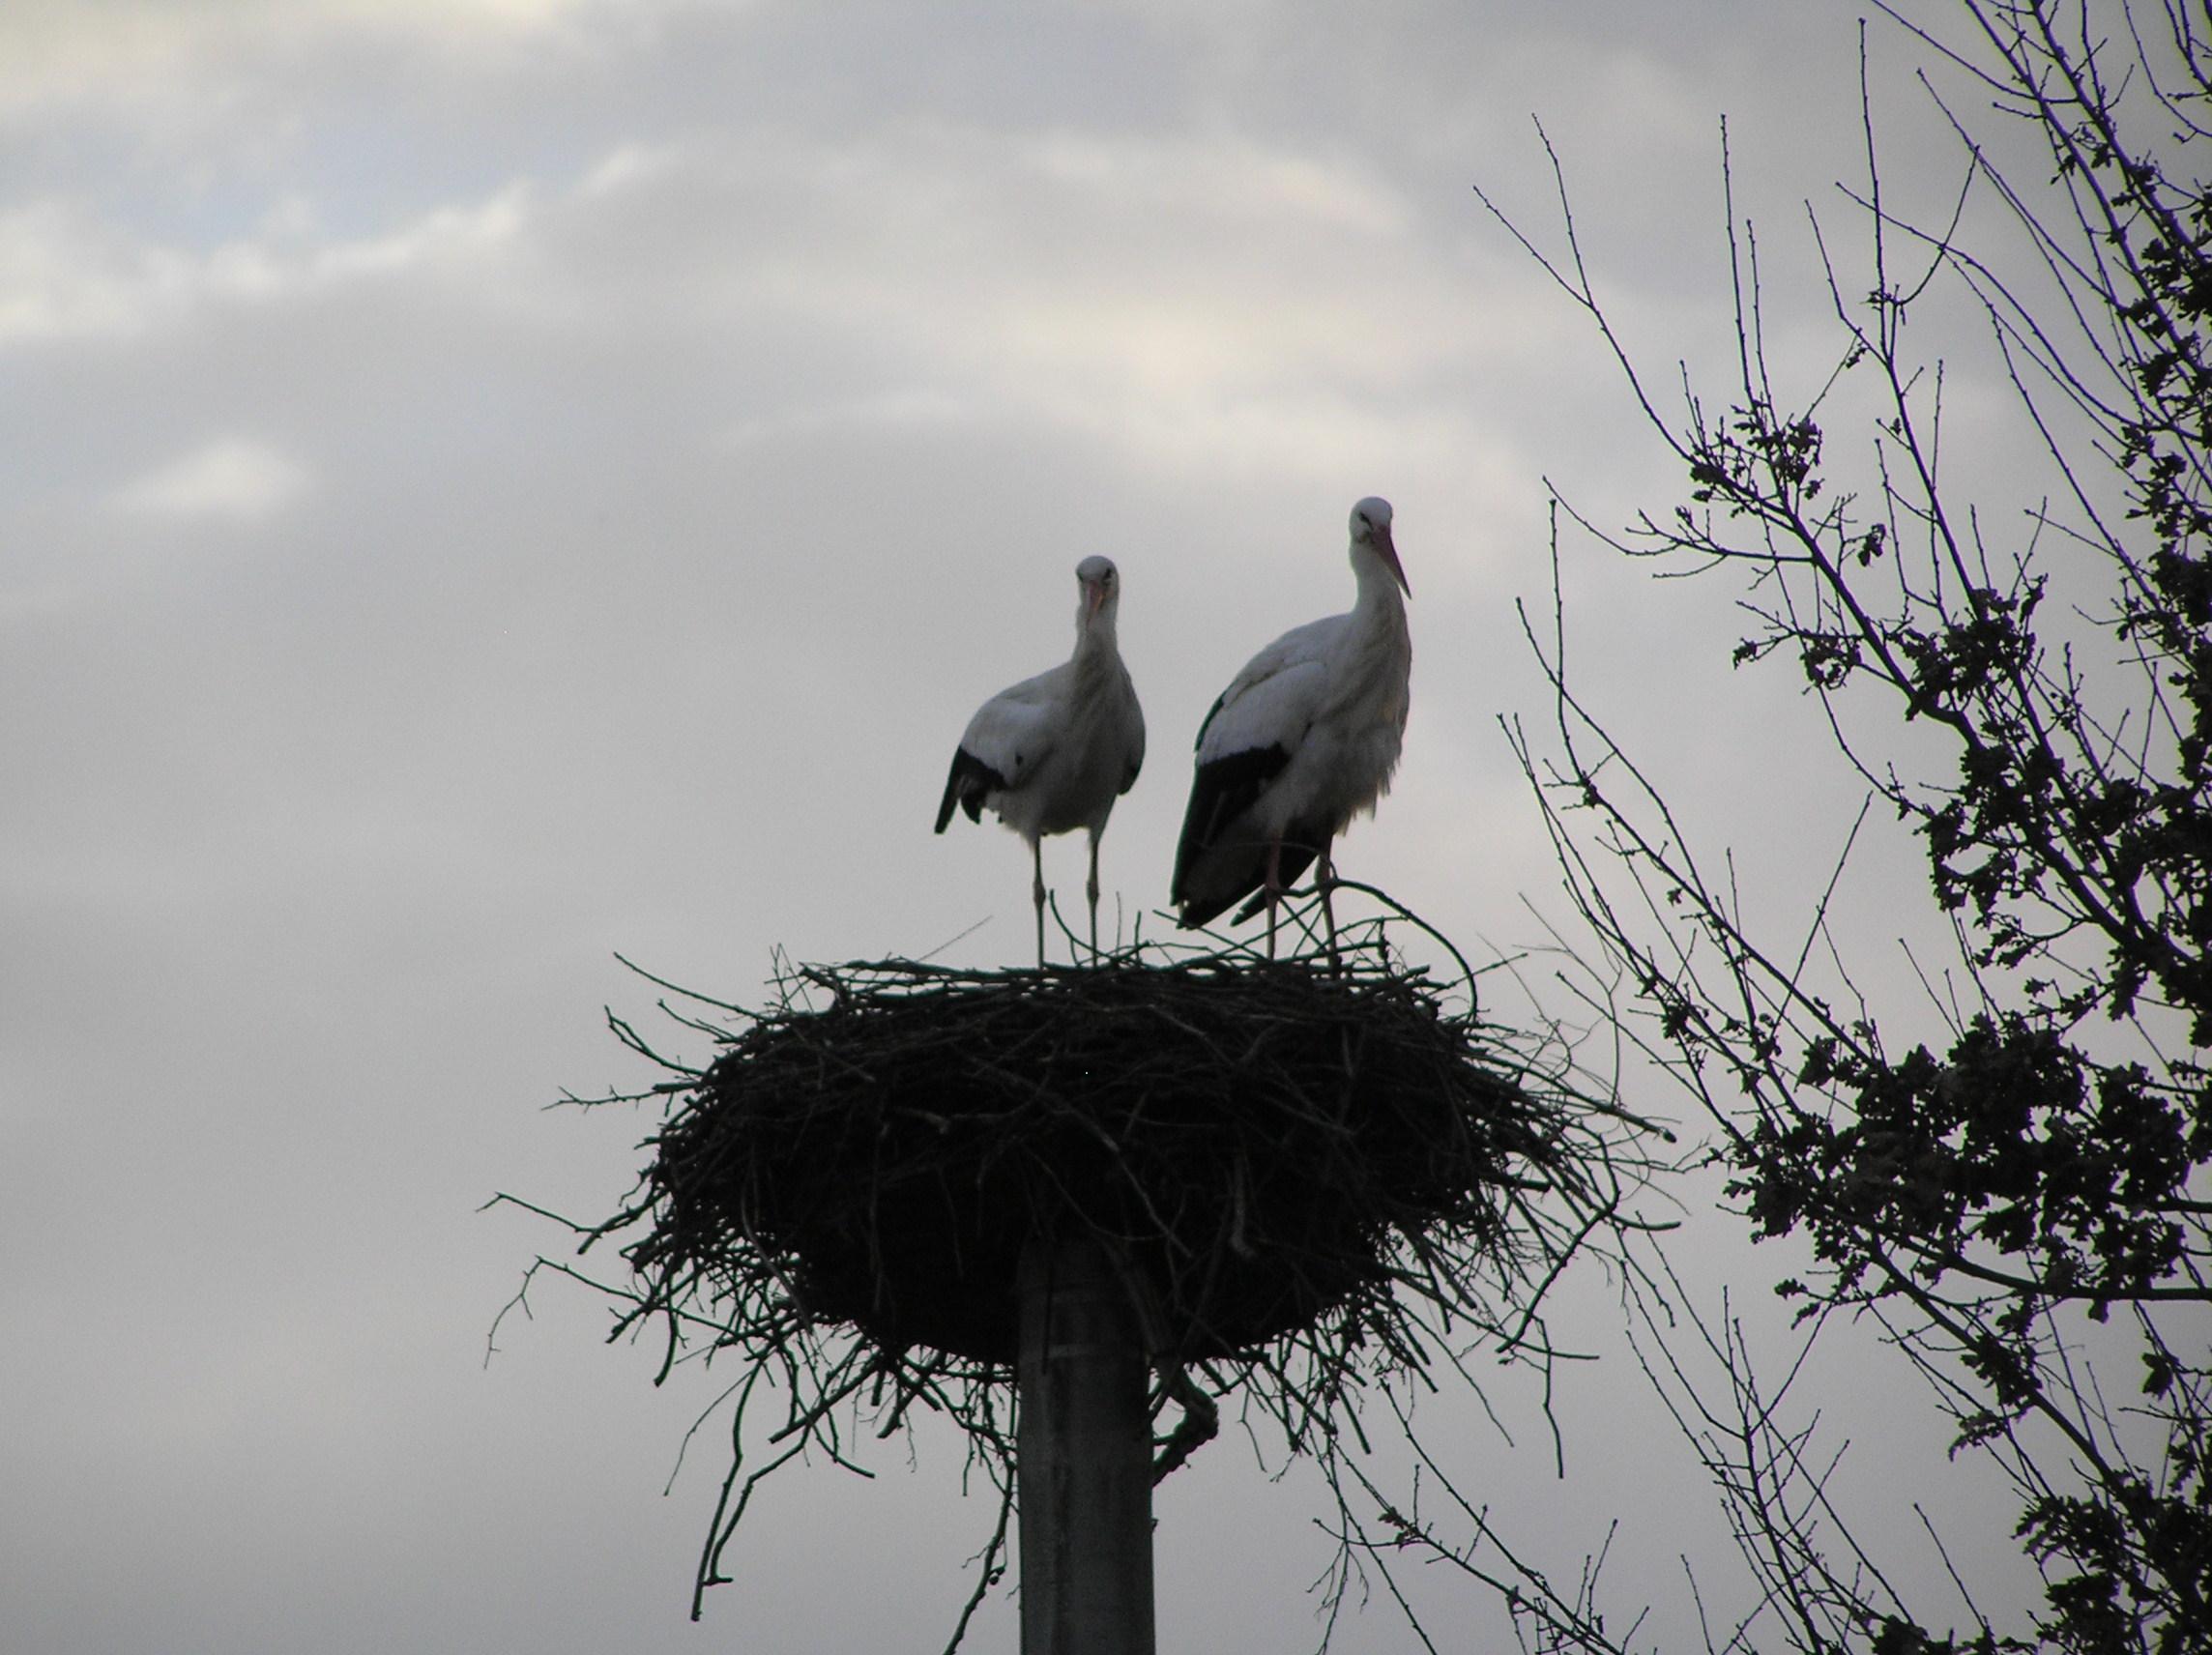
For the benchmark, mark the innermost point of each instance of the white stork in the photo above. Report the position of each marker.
(1053, 752)
(1303, 739)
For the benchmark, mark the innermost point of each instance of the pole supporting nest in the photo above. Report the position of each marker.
(1083, 1459)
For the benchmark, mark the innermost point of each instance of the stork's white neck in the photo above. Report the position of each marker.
(1094, 633)
(1379, 599)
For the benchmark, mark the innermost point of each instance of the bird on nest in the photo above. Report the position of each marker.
(1303, 740)
(1052, 753)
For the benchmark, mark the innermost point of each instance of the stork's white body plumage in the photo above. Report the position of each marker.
(1052, 753)
(1303, 740)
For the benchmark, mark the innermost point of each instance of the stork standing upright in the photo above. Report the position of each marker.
(1053, 753)
(1303, 739)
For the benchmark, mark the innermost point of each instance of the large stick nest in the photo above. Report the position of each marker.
(1310, 1176)
(1257, 1147)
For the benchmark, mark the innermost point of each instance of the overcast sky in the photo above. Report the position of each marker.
(488, 484)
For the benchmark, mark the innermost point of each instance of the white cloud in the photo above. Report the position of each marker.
(233, 478)
(627, 164)
(455, 234)
(55, 52)
(1222, 176)
(1126, 286)
(908, 408)
(65, 274)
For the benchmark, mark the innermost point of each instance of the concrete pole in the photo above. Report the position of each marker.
(1084, 1459)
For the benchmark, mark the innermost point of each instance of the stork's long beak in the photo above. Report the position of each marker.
(1390, 550)
(1094, 597)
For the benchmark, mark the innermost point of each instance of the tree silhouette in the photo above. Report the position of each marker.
(2016, 1194)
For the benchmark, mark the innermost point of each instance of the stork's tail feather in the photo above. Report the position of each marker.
(1222, 878)
(1239, 872)
(967, 785)
(1194, 914)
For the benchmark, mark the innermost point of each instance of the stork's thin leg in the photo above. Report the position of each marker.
(1036, 893)
(1273, 888)
(1326, 879)
(1092, 892)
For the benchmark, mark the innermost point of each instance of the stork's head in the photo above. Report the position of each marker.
(1371, 533)
(1101, 585)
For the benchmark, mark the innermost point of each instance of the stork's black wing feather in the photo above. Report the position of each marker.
(1222, 789)
(967, 785)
